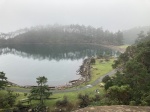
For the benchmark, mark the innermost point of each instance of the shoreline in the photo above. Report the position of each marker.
(83, 78)
(72, 83)
(113, 47)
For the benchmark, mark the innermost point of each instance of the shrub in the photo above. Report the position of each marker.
(106, 78)
(25, 94)
(84, 100)
(132, 103)
(120, 94)
(64, 105)
(144, 103)
(39, 108)
(108, 84)
(92, 61)
(7, 100)
(105, 101)
(96, 98)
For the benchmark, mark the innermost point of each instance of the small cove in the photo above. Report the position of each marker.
(23, 63)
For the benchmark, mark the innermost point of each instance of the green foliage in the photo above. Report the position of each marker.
(2, 80)
(40, 92)
(40, 108)
(64, 105)
(84, 100)
(106, 78)
(105, 101)
(25, 94)
(132, 103)
(8, 100)
(21, 108)
(144, 103)
(121, 94)
(92, 61)
(134, 70)
(141, 35)
(96, 98)
(108, 84)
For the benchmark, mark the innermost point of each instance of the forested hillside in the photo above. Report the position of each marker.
(131, 84)
(131, 35)
(64, 34)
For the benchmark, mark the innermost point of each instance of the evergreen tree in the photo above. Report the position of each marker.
(2, 80)
(40, 92)
(134, 71)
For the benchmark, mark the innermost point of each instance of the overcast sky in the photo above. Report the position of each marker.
(108, 14)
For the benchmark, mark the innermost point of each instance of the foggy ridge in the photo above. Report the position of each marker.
(62, 34)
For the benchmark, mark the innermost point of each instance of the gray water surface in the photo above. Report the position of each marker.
(24, 63)
(24, 71)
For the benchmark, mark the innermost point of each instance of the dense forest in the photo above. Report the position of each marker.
(63, 34)
(131, 83)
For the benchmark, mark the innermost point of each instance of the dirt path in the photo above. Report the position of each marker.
(68, 90)
(115, 108)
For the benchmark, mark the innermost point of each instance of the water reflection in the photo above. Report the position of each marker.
(59, 63)
(55, 52)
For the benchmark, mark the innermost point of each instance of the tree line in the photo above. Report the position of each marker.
(65, 34)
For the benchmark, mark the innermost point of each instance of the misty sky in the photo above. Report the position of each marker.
(109, 14)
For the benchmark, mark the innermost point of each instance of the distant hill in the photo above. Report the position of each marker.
(62, 34)
(131, 35)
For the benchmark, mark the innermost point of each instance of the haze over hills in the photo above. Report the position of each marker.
(131, 35)
(64, 55)
(72, 33)
(62, 34)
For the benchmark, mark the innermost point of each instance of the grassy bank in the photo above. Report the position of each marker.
(123, 46)
(100, 68)
(72, 96)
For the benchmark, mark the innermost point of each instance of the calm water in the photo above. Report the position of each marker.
(59, 63)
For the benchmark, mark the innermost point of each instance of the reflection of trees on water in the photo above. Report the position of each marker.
(56, 52)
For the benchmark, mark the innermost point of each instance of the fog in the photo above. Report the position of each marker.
(109, 14)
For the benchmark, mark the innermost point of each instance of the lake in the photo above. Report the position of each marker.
(59, 63)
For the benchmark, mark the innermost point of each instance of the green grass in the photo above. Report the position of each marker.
(72, 96)
(2, 92)
(99, 69)
(123, 46)
(21, 95)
